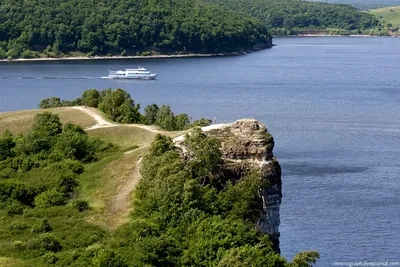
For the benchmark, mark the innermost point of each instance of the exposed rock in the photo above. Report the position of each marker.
(246, 145)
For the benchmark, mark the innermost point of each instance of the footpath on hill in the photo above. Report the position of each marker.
(120, 204)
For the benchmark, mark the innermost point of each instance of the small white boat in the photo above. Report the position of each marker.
(139, 73)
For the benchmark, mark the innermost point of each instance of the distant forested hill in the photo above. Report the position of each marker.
(101, 27)
(293, 16)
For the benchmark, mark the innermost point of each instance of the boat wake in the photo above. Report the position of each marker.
(49, 78)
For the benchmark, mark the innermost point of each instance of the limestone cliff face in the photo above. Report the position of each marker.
(246, 145)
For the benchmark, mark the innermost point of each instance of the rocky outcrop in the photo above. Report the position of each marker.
(246, 145)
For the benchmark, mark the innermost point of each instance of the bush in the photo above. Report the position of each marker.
(52, 102)
(42, 226)
(19, 245)
(28, 54)
(49, 198)
(49, 258)
(15, 208)
(201, 123)
(81, 205)
(47, 242)
(18, 226)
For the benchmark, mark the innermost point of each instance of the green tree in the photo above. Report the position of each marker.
(165, 118)
(51, 102)
(119, 106)
(7, 143)
(91, 98)
(150, 113)
(182, 121)
(252, 256)
(205, 156)
(305, 259)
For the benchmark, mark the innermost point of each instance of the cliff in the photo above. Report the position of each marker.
(246, 145)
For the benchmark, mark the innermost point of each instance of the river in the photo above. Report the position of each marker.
(331, 103)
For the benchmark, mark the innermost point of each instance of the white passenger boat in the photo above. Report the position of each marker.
(139, 73)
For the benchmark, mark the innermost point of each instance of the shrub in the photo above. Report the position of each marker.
(201, 123)
(51, 102)
(81, 205)
(47, 242)
(42, 226)
(18, 226)
(6, 145)
(68, 165)
(15, 191)
(15, 208)
(49, 258)
(19, 245)
(49, 198)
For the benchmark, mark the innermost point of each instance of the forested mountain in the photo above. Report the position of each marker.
(293, 16)
(102, 27)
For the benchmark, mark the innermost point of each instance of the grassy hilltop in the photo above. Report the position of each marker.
(388, 15)
(100, 185)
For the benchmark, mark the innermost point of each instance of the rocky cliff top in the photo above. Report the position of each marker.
(246, 145)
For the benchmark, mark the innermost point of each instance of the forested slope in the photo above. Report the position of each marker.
(294, 16)
(56, 27)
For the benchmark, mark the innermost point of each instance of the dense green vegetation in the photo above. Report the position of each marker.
(39, 176)
(296, 16)
(120, 107)
(52, 28)
(182, 215)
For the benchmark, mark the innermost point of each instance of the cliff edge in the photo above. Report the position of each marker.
(246, 145)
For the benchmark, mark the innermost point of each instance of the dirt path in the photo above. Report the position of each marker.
(121, 201)
(102, 123)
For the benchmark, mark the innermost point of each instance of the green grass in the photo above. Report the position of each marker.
(388, 15)
(8, 262)
(125, 137)
(21, 121)
(101, 180)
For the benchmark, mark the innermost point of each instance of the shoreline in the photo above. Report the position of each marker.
(120, 57)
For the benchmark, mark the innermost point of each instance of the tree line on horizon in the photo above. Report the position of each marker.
(120, 107)
(285, 17)
(51, 28)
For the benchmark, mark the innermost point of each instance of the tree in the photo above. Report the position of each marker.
(51, 102)
(204, 155)
(91, 98)
(182, 121)
(47, 123)
(7, 143)
(165, 118)
(150, 113)
(252, 256)
(119, 106)
(305, 259)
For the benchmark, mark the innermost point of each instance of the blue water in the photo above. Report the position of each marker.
(332, 104)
